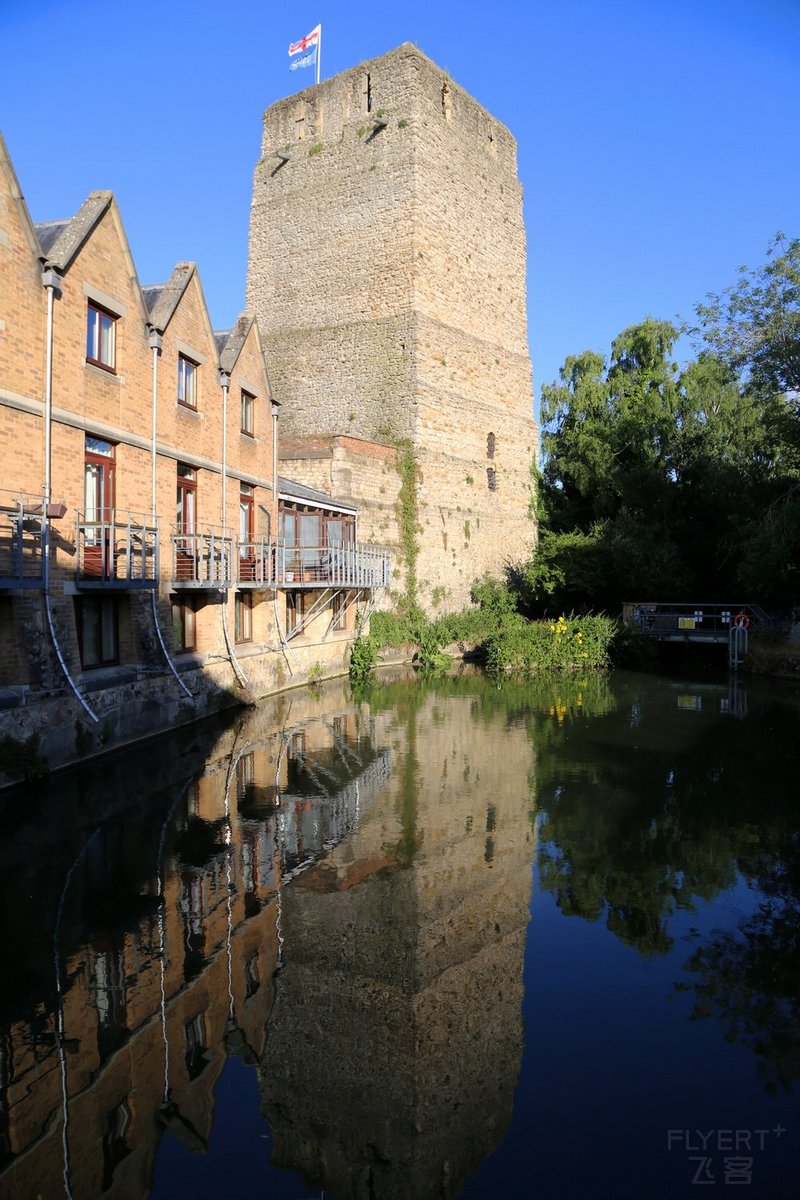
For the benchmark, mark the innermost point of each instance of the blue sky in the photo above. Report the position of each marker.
(658, 139)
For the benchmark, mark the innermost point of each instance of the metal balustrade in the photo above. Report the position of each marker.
(23, 535)
(349, 565)
(688, 622)
(203, 559)
(121, 552)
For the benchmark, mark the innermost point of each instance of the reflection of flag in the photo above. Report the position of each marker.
(311, 39)
(307, 60)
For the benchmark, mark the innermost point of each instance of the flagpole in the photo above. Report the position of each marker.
(319, 49)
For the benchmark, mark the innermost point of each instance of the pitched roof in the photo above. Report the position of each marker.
(166, 296)
(235, 341)
(61, 240)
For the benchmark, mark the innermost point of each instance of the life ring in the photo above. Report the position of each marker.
(741, 620)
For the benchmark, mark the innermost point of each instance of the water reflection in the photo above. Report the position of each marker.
(299, 892)
(336, 894)
(692, 803)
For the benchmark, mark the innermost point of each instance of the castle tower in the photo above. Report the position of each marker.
(387, 271)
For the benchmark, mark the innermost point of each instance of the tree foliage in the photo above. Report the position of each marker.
(662, 483)
(755, 323)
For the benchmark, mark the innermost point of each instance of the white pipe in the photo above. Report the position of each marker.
(50, 288)
(155, 346)
(225, 381)
(274, 534)
(51, 283)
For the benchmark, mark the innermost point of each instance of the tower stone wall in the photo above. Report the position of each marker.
(387, 270)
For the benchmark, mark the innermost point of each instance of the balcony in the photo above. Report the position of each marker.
(22, 540)
(119, 554)
(203, 559)
(262, 564)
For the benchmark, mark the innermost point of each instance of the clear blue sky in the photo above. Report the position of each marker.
(658, 139)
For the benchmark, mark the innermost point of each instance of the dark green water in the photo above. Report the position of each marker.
(439, 939)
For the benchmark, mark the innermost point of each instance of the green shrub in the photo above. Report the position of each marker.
(363, 658)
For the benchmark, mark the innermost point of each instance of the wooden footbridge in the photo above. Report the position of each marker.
(698, 624)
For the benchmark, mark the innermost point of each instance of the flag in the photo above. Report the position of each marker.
(308, 60)
(311, 39)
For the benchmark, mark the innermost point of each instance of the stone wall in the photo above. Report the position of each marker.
(387, 269)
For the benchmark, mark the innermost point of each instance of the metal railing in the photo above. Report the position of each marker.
(119, 552)
(22, 542)
(667, 621)
(202, 559)
(351, 565)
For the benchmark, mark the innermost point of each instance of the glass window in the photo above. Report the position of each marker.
(98, 637)
(338, 613)
(183, 625)
(248, 413)
(246, 512)
(186, 502)
(101, 338)
(187, 382)
(243, 617)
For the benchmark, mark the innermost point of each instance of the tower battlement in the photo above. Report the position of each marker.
(402, 85)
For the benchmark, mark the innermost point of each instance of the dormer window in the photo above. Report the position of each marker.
(101, 338)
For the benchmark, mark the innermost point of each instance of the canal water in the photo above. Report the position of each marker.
(435, 939)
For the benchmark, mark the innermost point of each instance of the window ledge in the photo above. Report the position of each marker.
(188, 411)
(104, 373)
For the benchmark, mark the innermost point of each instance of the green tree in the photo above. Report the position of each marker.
(755, 324)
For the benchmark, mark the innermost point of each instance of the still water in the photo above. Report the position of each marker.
(439, 939)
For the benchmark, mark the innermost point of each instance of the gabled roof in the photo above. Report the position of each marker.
(232, 347)
(289, 490)
(7, 167)
(221, 337)
(165, 297)
(48, 232)
(61, 240)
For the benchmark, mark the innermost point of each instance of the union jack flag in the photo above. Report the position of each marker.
(311, 39)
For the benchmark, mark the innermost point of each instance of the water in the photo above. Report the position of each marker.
(441, 939)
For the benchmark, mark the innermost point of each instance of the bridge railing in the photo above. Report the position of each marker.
(668, 619)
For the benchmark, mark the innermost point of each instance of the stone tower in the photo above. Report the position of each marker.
(387, 272)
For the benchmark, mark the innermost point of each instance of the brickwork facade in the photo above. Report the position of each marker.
(387, 270)
(161, 447)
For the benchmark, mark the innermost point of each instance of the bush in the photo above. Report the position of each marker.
(363, 658)
(567, 644)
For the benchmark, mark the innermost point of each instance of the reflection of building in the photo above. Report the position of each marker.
(403, 968)
(151, 997)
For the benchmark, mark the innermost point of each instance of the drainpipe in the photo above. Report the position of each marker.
(225, 383)
(275, 467)
(156, 343)
(51, 282)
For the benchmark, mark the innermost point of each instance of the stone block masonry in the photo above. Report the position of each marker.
(387, 271)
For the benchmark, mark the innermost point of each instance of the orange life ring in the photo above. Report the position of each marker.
(741, 620)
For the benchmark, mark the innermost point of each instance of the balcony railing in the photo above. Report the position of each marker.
(203, 559)
(350, 565)
(120, 553)
(22, 540)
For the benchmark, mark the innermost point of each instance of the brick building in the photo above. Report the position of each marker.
(152, 563)
(387, 272)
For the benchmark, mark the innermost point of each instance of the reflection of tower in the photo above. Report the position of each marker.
(393, 1049)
